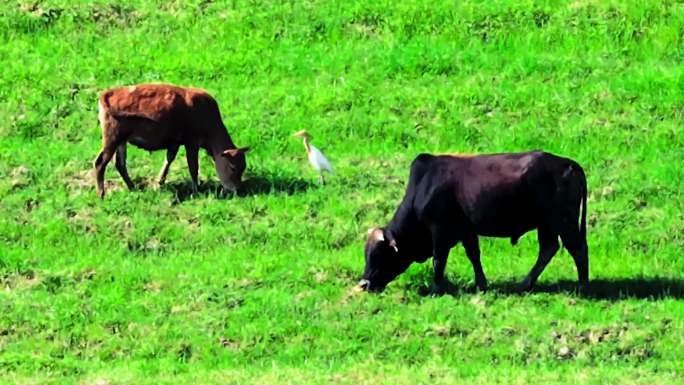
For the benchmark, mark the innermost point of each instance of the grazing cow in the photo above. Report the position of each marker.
(160, 116)
(452, 198)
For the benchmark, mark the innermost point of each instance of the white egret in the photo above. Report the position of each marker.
(318, 161)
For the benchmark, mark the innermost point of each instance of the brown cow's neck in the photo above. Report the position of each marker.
(220, 141)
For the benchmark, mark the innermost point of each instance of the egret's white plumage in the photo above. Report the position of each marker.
(318, 161)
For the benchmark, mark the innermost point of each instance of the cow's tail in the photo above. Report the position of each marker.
(583, 188)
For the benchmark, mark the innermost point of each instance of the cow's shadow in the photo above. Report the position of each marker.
(610, 289)
(182, 191)
(254, 185)
(270, 184)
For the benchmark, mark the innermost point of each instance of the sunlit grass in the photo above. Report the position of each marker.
(155, 286)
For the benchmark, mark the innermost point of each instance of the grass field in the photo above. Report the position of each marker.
(160, 287)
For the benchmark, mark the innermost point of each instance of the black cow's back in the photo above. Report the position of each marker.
(500, 195)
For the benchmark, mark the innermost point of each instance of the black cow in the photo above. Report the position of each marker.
(456, 198)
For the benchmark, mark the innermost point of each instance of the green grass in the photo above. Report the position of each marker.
(154, 286)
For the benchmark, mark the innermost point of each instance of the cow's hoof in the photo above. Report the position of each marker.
(524, 287)
(437, 290)
(583, 290)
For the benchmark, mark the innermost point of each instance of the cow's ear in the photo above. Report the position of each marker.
(234, 152)
(229, 153)
(393, 244)
(392, 241)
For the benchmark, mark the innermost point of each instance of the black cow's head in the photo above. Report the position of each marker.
(384, 262)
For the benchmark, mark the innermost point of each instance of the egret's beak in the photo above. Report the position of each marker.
(300, 134)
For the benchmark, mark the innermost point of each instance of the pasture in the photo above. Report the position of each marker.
(157, 286)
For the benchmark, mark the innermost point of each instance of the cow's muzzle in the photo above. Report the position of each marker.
(228, 190)
(364, 284)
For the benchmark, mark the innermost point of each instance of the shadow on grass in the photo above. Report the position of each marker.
(183, 190)
(650, 288)
(260, 184)
(255, 185)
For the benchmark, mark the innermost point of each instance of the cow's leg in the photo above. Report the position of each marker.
(439, 261)
(191, 154)
(577, 247)
(440, 253)
(170, 156)
(121, 165)
(100, 164)
(548, 246)
(472, 249)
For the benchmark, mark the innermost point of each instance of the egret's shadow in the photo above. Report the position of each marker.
(254, 185)
(613, 289)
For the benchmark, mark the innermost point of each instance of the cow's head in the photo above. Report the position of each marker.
(384, 262)
(230, 164)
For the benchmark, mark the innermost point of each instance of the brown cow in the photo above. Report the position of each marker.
(162, 116)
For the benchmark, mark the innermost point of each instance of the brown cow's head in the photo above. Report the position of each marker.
(230, 164)
(384, 262)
